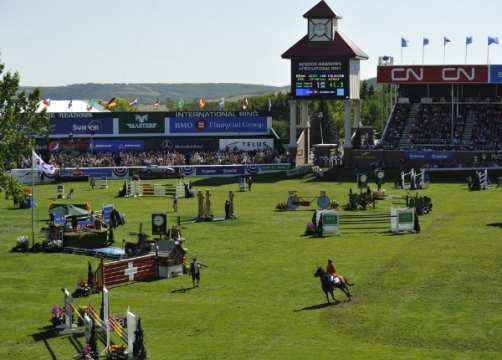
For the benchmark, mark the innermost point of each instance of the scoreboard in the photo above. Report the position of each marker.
(326, 79)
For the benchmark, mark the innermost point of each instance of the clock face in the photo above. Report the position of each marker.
(158, 220)
(320, 30)
(380, 175)
(363, 178)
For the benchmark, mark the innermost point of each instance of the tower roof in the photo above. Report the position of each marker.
(341, 46)
(321, 10)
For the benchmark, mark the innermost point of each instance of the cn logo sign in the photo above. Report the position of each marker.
(457, 74)
(407, 74)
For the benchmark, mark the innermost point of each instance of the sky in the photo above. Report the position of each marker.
(61, 42)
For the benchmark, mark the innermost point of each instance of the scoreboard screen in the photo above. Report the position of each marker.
(328, 79)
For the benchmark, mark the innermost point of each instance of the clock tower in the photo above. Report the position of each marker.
(325, 65)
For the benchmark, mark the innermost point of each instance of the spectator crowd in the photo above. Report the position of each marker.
(159, 158)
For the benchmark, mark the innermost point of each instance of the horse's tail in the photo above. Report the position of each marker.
(347, 281)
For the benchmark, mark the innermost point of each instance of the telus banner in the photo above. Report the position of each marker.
(246, 144)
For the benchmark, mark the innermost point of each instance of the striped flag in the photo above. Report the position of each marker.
(134, 102)
(41, 165)
(221, 105)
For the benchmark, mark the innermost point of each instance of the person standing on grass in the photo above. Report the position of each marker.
(175, 202)
(195, 272)
(250, 182)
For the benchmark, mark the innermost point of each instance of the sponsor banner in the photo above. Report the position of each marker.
(95, 172)
(465, 74)
(156, 172)
(246, 144)
(141, 123)
(220, 170)
(117, 145)
(211, 126)
(80, 124)
(496, 74)
(430, 155)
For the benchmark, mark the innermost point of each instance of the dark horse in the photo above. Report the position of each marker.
(329, 287)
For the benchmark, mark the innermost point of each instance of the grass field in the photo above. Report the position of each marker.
(435, 295)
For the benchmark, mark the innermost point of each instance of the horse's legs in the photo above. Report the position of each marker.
(333, 296)
(346, 291)
(327, 297)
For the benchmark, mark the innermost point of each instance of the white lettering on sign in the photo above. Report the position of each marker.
(455, 74)
(130, 271)
(402, 74)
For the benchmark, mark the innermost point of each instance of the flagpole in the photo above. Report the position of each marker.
(466, 47)
(32, 199)
(444, 53)
(423, 54)
(402, 61)
(488, 55)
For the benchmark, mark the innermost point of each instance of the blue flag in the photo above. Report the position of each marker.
(426, 41)
(404, 43)
(469, 40)
(493, 40)
(446, 41)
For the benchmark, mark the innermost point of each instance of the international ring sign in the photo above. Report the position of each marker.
(141, 123)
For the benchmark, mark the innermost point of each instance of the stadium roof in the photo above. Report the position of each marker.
(341, 46)
(321, 10)
(69, 106)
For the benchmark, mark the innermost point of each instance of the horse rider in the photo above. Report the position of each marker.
(331, 270)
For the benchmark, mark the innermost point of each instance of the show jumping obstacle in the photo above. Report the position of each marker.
(295, 200)
(483, 179)
(413, 180)
(119, 272)
(330, 222)
(135, 188)
(107, 324)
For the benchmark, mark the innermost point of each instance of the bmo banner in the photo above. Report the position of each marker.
(246, 144)
(218, 124)
(81, 124)
(462, 74)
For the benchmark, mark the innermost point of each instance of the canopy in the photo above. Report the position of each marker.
(68, 210)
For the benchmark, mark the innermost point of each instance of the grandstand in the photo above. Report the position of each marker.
(444, 108)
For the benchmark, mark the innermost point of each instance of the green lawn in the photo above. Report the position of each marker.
(436, 295)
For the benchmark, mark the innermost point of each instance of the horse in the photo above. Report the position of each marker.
(329, 287)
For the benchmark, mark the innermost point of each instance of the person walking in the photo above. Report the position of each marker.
(195, 267)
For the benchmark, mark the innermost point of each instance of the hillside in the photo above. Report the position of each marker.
(148, 93)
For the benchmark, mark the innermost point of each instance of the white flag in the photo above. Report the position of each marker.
(40, 165)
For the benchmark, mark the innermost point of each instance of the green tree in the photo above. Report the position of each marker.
(371, 91)
(364, 90)
(20, 124)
